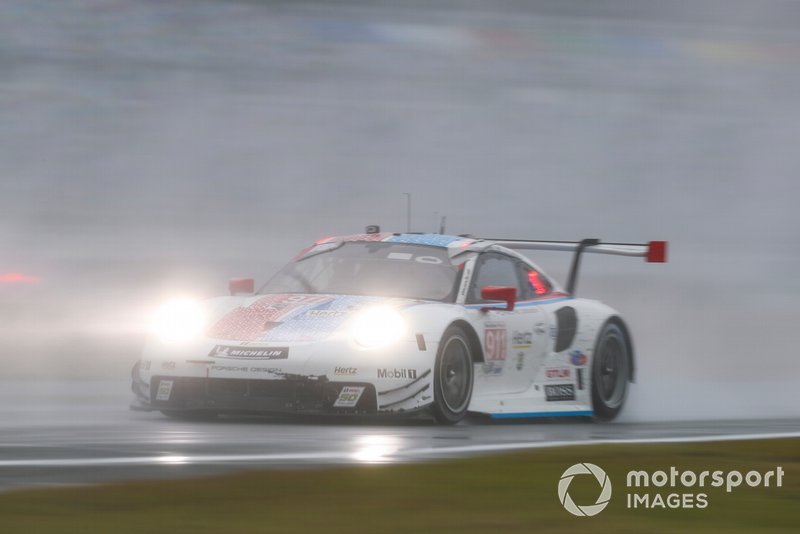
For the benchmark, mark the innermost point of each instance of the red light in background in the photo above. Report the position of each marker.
(537, 284)
(18, 278)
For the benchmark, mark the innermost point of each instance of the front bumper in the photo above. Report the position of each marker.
(311, 380)
(298, 395)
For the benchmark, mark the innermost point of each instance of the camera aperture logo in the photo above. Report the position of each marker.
(590, 509)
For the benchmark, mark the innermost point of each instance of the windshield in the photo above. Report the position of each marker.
(371, 268)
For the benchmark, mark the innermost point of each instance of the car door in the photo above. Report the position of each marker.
(514, 342)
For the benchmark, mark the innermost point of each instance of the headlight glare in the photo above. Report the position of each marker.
(178, 321)
(378, 327)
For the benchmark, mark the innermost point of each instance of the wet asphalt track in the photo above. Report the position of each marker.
(57, 433)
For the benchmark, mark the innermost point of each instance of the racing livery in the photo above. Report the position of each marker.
(388, 323)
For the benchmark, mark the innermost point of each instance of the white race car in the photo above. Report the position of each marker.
(397, 323)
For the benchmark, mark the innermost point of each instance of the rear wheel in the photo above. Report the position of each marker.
(610, 372)
(453, 377)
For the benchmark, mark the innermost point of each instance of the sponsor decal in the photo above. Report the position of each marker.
(560, 392)
(256, 353)
(345, 371)
(553, 332)
(145, 365)
(495, 343)
(577, 358)
(558, 373)
(234, 368)
(492, 368)
(539, 329)
(164, 390)
(520, 360)
(467, 276)
(270, 370)
(521, 340)
(246, 369)
(168, 365)
(579, 372)
(348, 397)
(397, 373)
(324, 314)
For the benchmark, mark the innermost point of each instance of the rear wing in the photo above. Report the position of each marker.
(652, 252)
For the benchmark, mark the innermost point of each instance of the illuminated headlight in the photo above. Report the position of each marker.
(178, 321)
(378, 327)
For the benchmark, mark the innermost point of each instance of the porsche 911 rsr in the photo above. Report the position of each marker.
(388, 323)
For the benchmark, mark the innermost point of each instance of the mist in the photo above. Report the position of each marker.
(149, 149)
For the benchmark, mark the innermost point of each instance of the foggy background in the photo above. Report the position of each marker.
(156, 148)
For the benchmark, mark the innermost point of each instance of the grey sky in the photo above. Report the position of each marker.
(149, 147)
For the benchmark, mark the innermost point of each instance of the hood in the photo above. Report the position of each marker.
(290, 317)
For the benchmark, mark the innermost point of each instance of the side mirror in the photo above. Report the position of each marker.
(507, 294)
(242, 286)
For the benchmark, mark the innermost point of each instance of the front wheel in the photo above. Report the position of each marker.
(453, 377)
(610, 372)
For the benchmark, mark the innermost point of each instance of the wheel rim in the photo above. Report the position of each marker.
(454, 374)
(611, 372)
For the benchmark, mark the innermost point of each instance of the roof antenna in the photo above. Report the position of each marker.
(408, 212)
(441, 226)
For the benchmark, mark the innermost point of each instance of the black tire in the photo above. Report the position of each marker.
(190, 415)
(611, 372)
(452, 377)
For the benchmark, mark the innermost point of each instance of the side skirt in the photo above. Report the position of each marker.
(532, 415)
